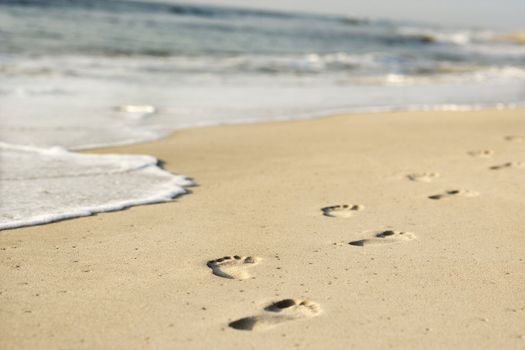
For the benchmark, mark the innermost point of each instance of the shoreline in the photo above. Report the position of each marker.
(124, 204)
(138, 278)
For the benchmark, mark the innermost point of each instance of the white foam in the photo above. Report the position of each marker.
(45, 185)
(137, 111)
(453, 36)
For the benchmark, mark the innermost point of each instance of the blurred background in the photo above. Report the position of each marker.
(80, 64)
(504, 14)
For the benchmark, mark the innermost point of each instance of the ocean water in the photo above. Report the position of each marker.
(78, 74)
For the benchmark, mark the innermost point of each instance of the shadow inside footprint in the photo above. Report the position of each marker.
(515, 138)
(244, 324)
(481, 153)
(507, 165)
(423, 177)
(232, 267)
(280, 305)
(453, 193)
(277, 313)
(342, 211)
(385, 237)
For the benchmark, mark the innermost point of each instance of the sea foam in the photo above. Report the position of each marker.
(45, 185)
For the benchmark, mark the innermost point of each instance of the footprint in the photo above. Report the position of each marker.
(508, 165)
(515, 138)
(481, 153)
(277, 313)
(384, 237)
(342, 211)
(454, 193)
(423, 177)
(233, 267)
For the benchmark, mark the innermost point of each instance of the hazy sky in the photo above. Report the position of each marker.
(505, 14)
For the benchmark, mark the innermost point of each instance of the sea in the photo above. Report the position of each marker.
(81, 74)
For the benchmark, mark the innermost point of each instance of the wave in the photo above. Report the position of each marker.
(178, 9)
(513, 38)
(59, 184)
(456, 37)
(359, 65)
(355, 21)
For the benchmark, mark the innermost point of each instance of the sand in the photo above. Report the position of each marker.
(426, 273)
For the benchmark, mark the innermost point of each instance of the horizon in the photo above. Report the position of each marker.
(469, 13)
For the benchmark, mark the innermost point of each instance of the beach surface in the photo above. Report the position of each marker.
(421, 243)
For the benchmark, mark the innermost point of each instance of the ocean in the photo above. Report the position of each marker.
(79, 74)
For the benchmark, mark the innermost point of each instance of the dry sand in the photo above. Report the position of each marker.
(448, 273)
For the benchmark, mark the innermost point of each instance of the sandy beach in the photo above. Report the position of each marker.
(420, 246)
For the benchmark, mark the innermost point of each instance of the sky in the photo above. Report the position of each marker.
(499, 14)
